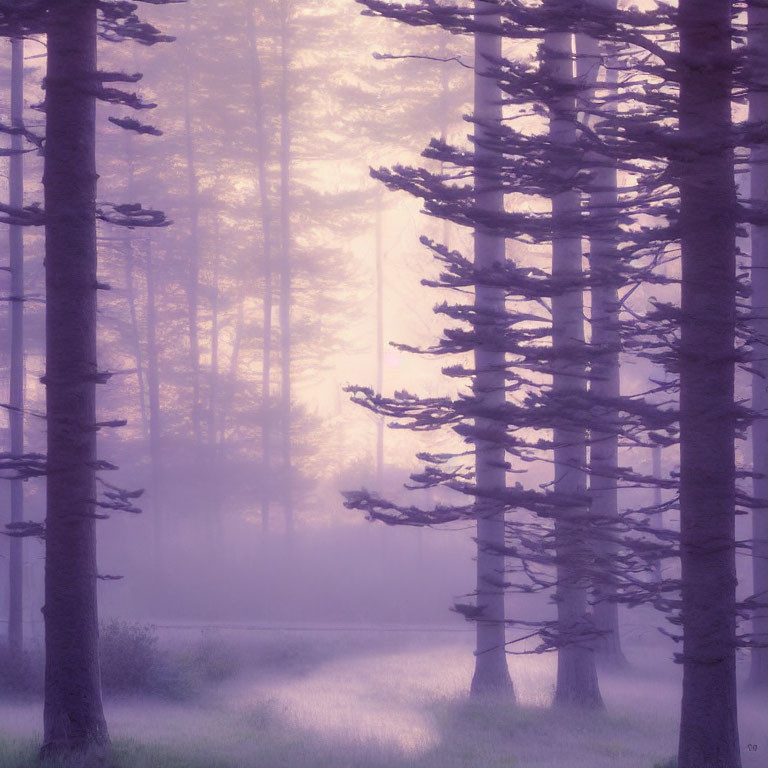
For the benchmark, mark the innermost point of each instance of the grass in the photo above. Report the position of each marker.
(326, 702)
(125, 754)
(473, 736)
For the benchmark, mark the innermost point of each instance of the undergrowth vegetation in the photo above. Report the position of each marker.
(133, 662)
(280, 744)
(21, 675)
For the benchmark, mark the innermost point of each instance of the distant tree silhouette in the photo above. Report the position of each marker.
(16, 411)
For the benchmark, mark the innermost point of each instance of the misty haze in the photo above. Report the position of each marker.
(383, 384)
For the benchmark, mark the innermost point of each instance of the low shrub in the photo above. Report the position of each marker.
(129, 656)
(21, 674)
(132, 662)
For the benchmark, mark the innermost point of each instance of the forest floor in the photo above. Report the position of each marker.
(389, 700)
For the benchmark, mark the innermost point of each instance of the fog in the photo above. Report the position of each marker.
(313, 698)
(419, 418)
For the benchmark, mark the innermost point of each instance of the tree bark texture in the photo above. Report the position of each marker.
(758, 113)
(73, 715)
(604, 374)
(576, 673)
(708, 729)
(491, 674)
(16, 412)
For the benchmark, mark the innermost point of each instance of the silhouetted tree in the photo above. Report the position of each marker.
(576, 674)
(491, 673)
(286, 258)
(265, 215)
(758, 114)
(594, 66)
(551, 168)
(73, 718)
(600, 547)
(16, 411)
(193, 247)
(709, 736)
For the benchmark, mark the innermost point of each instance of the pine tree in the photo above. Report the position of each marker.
(16, 413)
(491, 673)
(74, 718)
(576, 673)
(265, 215)
(709, 736)
(73, 715)
(593, 64)
(758, 114)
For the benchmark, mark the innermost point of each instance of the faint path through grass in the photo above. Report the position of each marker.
(386, 706)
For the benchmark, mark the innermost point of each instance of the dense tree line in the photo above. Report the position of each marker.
(662, 116)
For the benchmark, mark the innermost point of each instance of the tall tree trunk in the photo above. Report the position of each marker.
(155, 414)
(491, 674)
(378, 245)
(237, 343)
(604, 378)
(285, 267)
(193, 200)
(73, 715)
(656, 471)
(130, 296)
(709, 735)
(379, 251)
(213, 487)
(213, 402)
(16, 413)
(265, 211)
(758, 113)
(576, 673)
